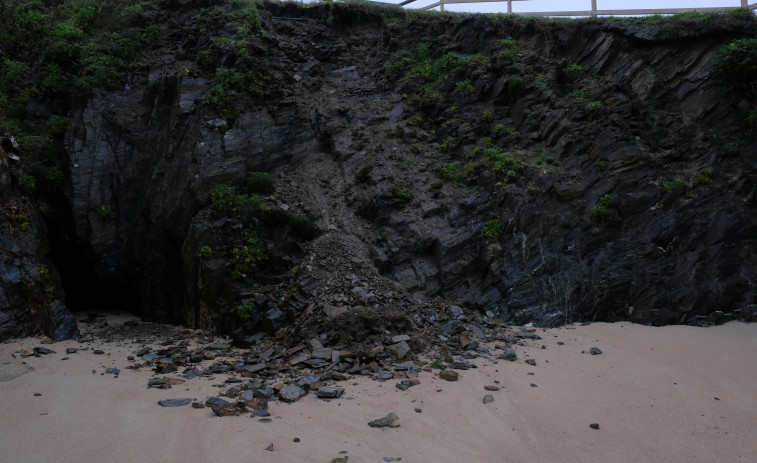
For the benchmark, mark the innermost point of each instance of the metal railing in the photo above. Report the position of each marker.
(594, 11)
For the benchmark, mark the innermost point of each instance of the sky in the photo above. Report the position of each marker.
(572, 5)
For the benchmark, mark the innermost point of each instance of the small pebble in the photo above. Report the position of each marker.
(594, 426)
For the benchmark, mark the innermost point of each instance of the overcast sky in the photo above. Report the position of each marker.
(573, 5)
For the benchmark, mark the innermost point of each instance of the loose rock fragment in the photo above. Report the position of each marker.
(491, 388)
(488, 398)
(174, 402)
(327, 392)
(389, 420)
(594, 426)
(595, 351)
(291, 393)
(531, 361)
(510, 355)
(398, 350)
(449, 375)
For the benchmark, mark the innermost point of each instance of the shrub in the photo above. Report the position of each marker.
(260, 183)
(490, 232)
(105, 213)
(601, 211)
(245, 311)
(738, 61)
(221, 198)
(245, 259)
(205, 252)
(27, 183)
(403, 194)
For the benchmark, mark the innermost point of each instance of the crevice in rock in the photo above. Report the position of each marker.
(84, 288)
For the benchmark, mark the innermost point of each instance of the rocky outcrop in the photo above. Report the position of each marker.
(480, 185)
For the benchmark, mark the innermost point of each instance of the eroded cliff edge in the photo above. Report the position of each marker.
(545, 171)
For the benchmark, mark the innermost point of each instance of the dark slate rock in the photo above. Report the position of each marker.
(328, 392)
(389, 420)
(43, 351)
(174, 402)
(307, 380)
(531, 361)
(461, 366)
(63, 322)
(72, 350)
(215, 402)
(488, 398)
(526, 335)
(385, 376)
(510, 354)
(595, 351)
(399, 350)
(449, 375)
(291, 393)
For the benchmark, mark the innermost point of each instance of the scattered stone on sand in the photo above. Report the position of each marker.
(534, 385)
(449, 375)
(328, 392)
(509, 354)
(526, 335)
(531, 361)
(400, 338)
(296, 439)
(340, 460)
(197, 405)
(174, 402)
(215, 401)
(595, 351)
(231, 409)
(418, 410)
(389, 421)
(270, 448)
(43, 351)
(491, 388)
(71, 350)
(291, 393)
(406, 384)
(98, 352)
(594, 426)
(37, 394)
(488, 398)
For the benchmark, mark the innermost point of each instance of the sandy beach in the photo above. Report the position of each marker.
(666, 394)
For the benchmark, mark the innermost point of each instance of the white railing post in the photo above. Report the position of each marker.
(510, 6)
(593, 8)
(441, 5)
(744, 4)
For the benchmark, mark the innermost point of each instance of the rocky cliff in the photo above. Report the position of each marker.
(263, 168)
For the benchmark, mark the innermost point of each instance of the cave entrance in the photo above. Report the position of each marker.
(85, 289)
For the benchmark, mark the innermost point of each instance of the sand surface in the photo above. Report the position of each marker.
(671, 394)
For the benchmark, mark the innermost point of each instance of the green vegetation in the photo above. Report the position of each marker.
(705, 176)
(601, 212)
(105, 213)
(673, 184)
(205, 253)
(491, 230)
(245, 258)
(738, 62)
(601, 165)
(403, 194)
(594, 108)
(245, 311)
(221, 198)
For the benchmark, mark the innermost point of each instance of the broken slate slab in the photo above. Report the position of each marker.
(510, 354)
(323, 353)
(398, 350)
(526, 335)
(400, 338)
(448, 375)
(595, 351)
(389, 421)
(291, 393)
(174, 402)
(328, 392)
(488, 398)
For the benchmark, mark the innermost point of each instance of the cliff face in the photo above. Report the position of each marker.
(548, 172)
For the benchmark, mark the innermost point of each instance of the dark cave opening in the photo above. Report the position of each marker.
(85, 289)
